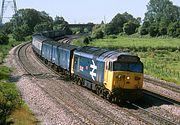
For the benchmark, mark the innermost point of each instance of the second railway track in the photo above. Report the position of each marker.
(32, 71)
(98, 117)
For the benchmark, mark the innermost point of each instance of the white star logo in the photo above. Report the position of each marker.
(92, 73)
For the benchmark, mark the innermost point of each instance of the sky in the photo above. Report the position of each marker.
(84, 11)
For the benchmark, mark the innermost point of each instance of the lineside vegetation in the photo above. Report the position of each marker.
(161, 56)
(13, 110)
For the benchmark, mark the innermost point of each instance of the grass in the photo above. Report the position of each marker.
(138, 44)
(161, 56)
(23, 116)
(4, 73)
(164, 65)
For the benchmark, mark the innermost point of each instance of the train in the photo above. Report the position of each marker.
(113, 75)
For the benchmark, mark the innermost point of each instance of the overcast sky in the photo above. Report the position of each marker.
(84, 11)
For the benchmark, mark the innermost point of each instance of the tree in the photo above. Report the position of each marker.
(43, 27)
(59, 20)
(7, 28)
(163, 26)
(109, 29)
(97, 31)
(98, 34)
(18, 34)
(117, 23)
(174, 29)
(61, 24)
(130, 27)
(156, 10)
(161, 13)
(144, 29)
(153, 30)
(3, 38)
(26, 20)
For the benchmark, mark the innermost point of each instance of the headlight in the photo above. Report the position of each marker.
(128, 77)
(119, 76)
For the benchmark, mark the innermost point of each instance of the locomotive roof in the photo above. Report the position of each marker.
(103, 54)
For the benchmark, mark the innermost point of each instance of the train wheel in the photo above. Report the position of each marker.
(109, 97)
(97, 90)
(105, 94)
(78, 82)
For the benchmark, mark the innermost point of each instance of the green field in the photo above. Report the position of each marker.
(161, 57)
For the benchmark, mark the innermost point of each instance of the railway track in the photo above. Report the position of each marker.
(169, 91)
(23, 59)
(145, 111)
(21, 52)
(111, 119)
(163, 84)
(162, 98)
(149, 122)
(160, 119)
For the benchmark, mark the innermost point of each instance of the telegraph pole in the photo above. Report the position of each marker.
(4, 5)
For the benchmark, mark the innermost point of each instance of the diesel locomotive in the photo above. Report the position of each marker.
(113, 75)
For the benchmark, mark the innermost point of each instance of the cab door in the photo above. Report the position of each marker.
(108, 76)
(106, 72)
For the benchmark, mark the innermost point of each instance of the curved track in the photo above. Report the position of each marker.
(99, 115)
(88, 111)
(153, 95)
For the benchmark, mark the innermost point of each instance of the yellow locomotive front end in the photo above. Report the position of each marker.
(124, 78)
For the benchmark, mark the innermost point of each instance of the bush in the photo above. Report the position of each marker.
(4, 73)
(153, 31)
(98, 34)
(9, 100)
(46, 26)
(86, 40)
(4, 39)
(112, 36)
(18, 34)
(174, 29)
(130, 27)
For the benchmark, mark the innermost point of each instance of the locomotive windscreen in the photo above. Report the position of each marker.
(132, 67)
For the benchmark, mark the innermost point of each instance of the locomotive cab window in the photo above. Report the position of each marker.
(132, 67)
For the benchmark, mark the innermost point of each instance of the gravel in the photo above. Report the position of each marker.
(54, 101)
